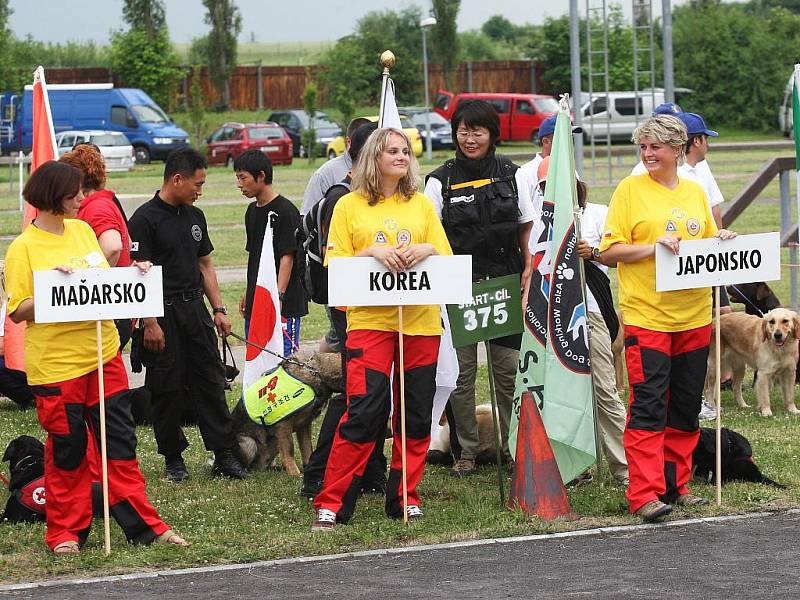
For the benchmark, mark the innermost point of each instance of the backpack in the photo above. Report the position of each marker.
(315, 227)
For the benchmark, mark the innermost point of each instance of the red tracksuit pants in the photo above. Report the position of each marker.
(69, 411)
(370, 356)
(666, 372)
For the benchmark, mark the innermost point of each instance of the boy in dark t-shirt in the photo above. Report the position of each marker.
(254, 177)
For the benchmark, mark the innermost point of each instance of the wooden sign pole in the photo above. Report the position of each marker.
(101, 390)
(402, 375)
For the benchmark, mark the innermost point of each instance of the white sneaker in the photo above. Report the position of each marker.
(414, 512)
(707, 412)
(325, 521)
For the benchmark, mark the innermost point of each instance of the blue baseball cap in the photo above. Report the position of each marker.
(667, 108)
(695, 125)
(548, 127)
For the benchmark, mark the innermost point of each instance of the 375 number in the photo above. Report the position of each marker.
(497, 312)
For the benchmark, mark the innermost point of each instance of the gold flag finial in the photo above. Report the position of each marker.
(387, 60)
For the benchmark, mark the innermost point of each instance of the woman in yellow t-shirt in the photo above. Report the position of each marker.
(666, 333)
(385, 218)
(61, 362)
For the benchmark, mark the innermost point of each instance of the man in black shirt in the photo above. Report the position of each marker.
(181, 347)
(254, 178)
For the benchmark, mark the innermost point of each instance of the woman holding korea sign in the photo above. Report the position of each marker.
(385, 217)
(667, 334)
(61, 361)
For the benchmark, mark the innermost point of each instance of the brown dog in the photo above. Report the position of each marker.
(768, 344)
(440, 442)
(259, 445)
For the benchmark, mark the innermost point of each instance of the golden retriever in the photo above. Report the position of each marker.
(767, 343)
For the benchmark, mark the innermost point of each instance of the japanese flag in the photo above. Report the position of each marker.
(265, 318)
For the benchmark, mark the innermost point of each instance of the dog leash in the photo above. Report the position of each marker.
(275, 354)
(747, 300)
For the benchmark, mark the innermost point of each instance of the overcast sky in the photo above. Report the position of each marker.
(270, 20)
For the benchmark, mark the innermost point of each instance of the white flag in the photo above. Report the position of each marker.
(265, 318)
(389, 116)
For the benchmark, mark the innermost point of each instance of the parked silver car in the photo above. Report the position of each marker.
(117, 151)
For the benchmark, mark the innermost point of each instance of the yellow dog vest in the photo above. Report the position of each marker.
(275, 396)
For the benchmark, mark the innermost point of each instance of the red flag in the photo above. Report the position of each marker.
(265, 321)
(44, 149)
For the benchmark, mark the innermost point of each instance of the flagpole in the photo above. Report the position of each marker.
(496, 423)
(597, 449)
(402, 375)
(387, 60)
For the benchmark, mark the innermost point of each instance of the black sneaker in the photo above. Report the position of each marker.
(227, 465)
(310, 489)
(175, 470)
(374, 487)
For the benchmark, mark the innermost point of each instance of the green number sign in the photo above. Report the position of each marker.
(495, 311)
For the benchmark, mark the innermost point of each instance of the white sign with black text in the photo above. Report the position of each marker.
(97, 294)
(713, 262)
(363, 281)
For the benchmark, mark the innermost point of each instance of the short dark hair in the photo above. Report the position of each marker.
(690, 141)
(477, 113)
(254, 161)
(184, 161)
(50, 184)
(359, 138)
(355, 124)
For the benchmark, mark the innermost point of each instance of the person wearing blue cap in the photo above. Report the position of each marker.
(528, 173)
(667, 108)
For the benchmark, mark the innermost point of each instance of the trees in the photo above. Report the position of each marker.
(444, 38)
(351, 69)
(143, 56)
(739, 71)
(145, 15)
(219, 47)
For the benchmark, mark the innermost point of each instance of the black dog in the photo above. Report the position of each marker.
(737, 458)
(757, 297)
(25, 456)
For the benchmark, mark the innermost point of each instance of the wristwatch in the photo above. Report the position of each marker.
(281, 296)
(596, 253)
(221, 310)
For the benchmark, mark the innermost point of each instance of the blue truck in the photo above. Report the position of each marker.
(93, 106)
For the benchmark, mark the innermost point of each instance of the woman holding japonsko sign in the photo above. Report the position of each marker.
(667, 334)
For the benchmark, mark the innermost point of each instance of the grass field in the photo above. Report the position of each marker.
(263, 517)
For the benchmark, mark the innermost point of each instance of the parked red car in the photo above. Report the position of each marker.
(520, 114)
(230, 140)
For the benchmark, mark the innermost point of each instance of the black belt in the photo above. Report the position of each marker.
(183, 297)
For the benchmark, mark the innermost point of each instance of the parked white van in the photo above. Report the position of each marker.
(618, 113)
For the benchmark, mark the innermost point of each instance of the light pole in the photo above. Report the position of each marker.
(424, 24)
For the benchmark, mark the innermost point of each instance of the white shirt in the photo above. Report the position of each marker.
(593, 222)
(528, 175)
(701, 173)
(527, 210)
(333, 171)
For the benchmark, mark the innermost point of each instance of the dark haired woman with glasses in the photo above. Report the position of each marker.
(486, 214)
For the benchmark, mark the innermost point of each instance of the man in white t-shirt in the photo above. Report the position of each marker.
(527, 173)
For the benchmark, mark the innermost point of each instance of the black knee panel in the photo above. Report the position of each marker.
(69, 449)
(367, 413)
(420, 389)
(120, 429)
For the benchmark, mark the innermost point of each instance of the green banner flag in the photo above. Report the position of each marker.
(495, 311)
(554, 356)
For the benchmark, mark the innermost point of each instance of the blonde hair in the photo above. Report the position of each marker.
(664, 129)
(366, 171)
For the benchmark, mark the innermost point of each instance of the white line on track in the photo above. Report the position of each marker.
(394, 551)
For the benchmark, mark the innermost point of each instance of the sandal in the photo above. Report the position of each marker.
(68, 547)
(170, 537)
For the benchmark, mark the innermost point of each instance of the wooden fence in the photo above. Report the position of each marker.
(282, 87)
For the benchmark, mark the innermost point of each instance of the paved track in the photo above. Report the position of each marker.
(754, 557)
